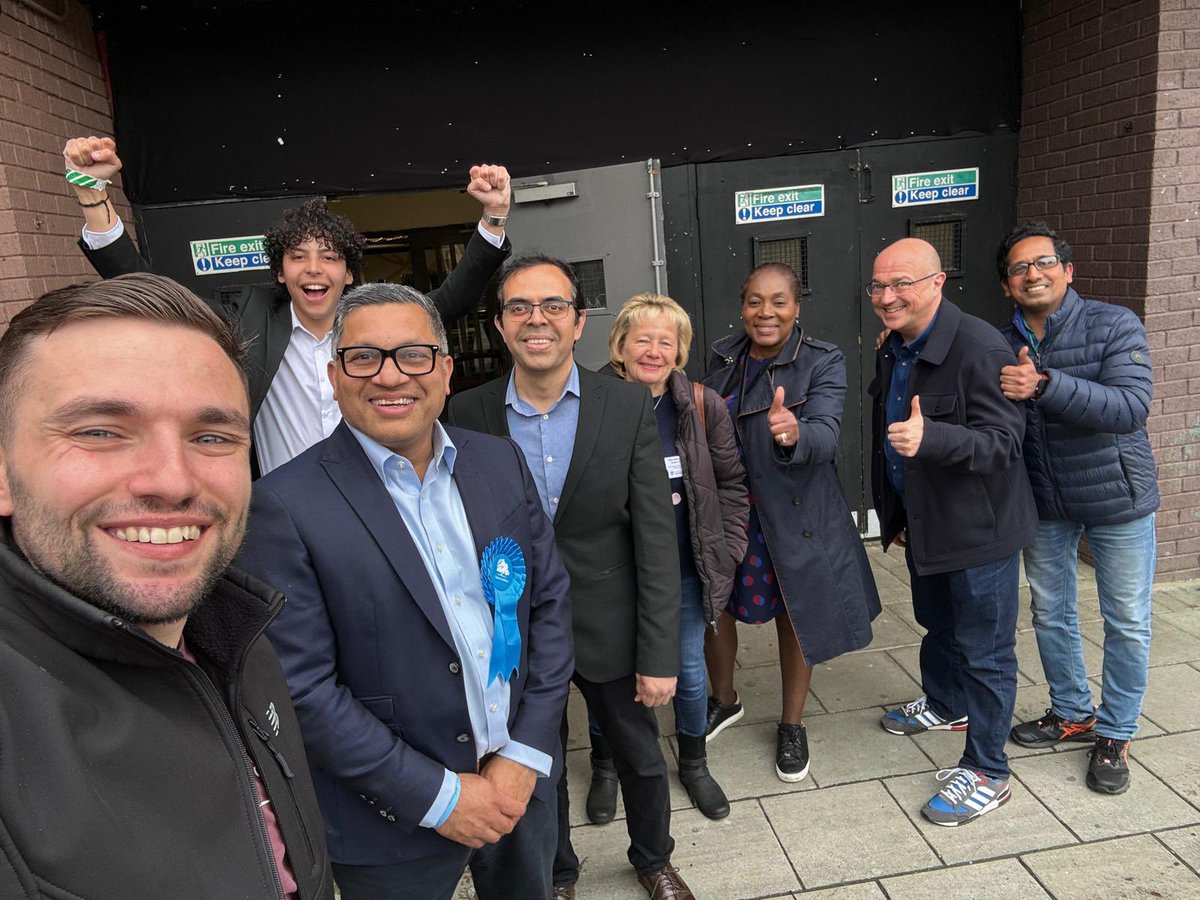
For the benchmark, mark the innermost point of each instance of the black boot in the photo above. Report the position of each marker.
(602, 795)
(700, 785)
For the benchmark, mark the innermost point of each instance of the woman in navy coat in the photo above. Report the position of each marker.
(805, 567)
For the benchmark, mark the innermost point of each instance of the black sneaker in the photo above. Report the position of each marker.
(791, 753)
(1108, 771)
(721, 716)
(1053, 729)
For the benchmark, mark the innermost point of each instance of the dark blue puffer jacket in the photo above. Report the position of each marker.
(1086, 447)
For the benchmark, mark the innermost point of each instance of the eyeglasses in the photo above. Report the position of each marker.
(551, 309)
(1042, 262)
(876, 288)
(367, 362)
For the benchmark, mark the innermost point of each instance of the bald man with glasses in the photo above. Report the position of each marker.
(950, 489)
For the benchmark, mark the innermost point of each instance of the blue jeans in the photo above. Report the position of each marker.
(1124, 557)
(691, 691)
(969, 655)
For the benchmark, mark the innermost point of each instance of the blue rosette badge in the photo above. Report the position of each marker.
(502, 575)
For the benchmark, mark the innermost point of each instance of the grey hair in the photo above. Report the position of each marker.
(377, 294)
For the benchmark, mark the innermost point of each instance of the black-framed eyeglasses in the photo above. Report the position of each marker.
(551, 309)
(876, 288)
(1042, 262)
(367, 362)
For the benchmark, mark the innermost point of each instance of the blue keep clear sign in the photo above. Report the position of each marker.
(948, 186)
(220, 256)
(776, 204)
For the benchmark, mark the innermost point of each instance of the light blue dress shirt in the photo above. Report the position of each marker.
(547, 439)
(434, 514)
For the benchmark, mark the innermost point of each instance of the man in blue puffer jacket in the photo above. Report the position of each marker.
(1084, 373)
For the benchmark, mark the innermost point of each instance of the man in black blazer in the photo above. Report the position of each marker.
(314, 256)
(430, 715)
(592, 444)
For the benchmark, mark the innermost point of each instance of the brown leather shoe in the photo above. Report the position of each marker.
(666, 884)
(564, 892)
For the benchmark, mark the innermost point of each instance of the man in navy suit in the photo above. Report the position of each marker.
(427, 633)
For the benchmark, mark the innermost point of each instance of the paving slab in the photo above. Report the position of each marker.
(1175, 596)
(742, 760)
(851, 746)
(892, 588)
(577, 722)
(864, 890)
(1020, 825)
(702, 852)
(859, 680)
(1173, 758)
(1185, 620)
(1057, 779)
(891, 630)
(1184, 843)
(1004, 879)
(848, 833)
(758, 645)
(1123, 869)
(1168, 644)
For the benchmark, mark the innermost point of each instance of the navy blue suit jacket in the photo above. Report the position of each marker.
(370, 660)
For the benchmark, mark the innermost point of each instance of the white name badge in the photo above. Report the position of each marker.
(674, 467)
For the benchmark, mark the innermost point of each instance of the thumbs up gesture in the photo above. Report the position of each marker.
(1019, 382)
(905, 437)
(784, 427)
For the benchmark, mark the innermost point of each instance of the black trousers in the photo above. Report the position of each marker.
(516, 867)
(632, 732)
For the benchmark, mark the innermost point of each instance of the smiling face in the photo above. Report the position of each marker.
(1039, 291)
(393, 409)
(769, 312)
(315, 275)
(650, 351)
(540, 347)
(127, 484)
(908, 311)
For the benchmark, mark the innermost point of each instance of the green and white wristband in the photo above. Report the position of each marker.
(78, 179)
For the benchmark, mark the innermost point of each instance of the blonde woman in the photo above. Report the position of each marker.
(649, 345)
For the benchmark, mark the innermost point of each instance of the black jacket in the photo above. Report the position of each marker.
(615, 526)
(967, 497)
(124, 772)
(822, 567)
(263, 315)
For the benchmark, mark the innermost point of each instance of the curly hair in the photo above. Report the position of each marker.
(312, 220)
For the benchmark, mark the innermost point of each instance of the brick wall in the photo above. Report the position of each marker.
(1110, 156)
(51, 89)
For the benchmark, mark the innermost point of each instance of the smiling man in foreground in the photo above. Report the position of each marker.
(148, 747)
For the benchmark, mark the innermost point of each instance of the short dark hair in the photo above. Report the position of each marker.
(143, 296)
(379, 293)
(312, 221)
(524, 261)
(1027, 230)
(778, 268)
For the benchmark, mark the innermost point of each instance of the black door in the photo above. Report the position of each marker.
(833, 252)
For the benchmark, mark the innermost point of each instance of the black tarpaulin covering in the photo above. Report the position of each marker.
(265, 97)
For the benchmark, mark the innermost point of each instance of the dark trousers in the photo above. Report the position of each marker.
(517, 867)
(632, 732)
(969, 655)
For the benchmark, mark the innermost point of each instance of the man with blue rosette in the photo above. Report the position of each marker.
(592, 445)
(427, 633)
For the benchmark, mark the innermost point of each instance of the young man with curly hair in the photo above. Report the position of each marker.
(314, 255)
